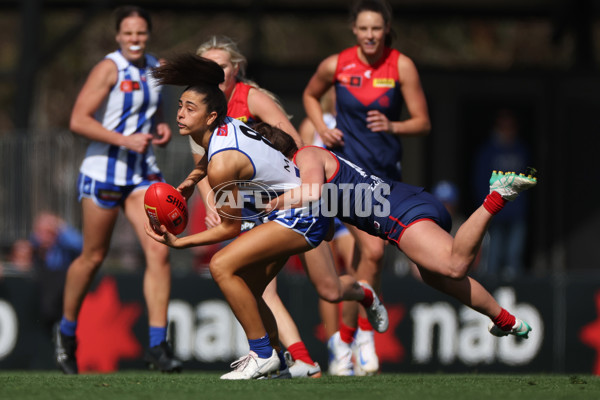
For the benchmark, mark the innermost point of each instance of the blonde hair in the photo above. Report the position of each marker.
(226, 44)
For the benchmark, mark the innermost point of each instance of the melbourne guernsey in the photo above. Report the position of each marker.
(359, 88)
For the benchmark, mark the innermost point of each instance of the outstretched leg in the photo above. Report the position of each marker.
(444, 261)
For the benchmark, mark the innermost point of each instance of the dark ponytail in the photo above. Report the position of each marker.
(199, 74)
(278, 138)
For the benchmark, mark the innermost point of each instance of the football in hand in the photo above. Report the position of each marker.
(164, 205)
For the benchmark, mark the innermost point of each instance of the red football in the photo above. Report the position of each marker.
(164, 205)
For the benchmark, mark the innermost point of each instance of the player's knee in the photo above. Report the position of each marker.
(157, 251)
(332, 297)
(217, 268)
(331, 293)
(457, 271)
(93, 259)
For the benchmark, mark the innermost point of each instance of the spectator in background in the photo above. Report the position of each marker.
(447, 192)
(55, 244)
(19, 259)
(505, 151)
(21, 256)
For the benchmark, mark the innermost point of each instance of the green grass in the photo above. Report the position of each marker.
(204, 385)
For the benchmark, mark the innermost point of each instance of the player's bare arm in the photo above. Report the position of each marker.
(316, 88)
(224, 169)
(311, 164)
(265, 108)
(418, 124)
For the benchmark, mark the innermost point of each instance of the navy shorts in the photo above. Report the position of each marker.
(421, 206)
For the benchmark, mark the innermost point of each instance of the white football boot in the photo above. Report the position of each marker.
(366, 361)
(340, 356)
(301, 369)
(252, 367)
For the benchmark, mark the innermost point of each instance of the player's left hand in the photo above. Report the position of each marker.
(378, 122)
(163, 134)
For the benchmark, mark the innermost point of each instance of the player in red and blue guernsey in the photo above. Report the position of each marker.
(373, 82)
(411, 219)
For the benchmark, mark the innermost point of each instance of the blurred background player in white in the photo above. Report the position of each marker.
(251, 104)
(119, 165)
(373, 82)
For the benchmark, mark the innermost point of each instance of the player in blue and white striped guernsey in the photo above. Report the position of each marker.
(240, 163)
(130, 108)
(118, 110)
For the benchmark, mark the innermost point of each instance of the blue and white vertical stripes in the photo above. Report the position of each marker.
(129, 108)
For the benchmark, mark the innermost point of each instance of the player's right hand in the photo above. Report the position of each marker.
(332, 137)
(212, 219)
(138, 142)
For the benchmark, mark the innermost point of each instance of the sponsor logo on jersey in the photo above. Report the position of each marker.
(243, 118)
(384, 82)
(350, 80)
(222, 130)
(129, 86)
(368, 73)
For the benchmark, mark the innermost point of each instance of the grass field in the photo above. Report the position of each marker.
(203, 385)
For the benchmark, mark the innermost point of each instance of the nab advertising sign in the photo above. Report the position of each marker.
(429, 331)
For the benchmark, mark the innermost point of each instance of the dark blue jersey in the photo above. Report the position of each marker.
(379, 207)
(359, 88)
